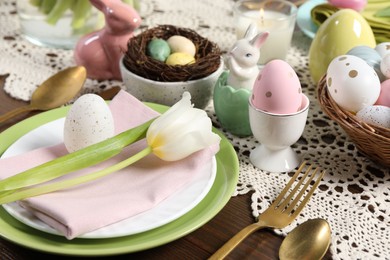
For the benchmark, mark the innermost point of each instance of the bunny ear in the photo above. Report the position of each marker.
(250, 31)
(259, 39)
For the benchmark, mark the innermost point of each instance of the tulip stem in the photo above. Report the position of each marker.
(39, 190)
(74, 161)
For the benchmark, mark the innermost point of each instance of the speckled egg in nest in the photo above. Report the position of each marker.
(207, 57)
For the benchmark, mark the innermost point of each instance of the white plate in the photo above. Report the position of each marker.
(168, 210)
(304, 21)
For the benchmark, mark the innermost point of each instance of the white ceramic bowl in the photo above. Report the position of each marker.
(168, 93)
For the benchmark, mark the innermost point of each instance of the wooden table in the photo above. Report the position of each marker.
(198, 245)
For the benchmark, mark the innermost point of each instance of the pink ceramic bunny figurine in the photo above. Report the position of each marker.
(243, 58)
(99, 52)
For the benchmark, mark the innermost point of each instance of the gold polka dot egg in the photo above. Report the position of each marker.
(352, 83)
(176, 50)
(277, 89)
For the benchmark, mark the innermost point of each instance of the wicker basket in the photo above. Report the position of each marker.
(373, 141)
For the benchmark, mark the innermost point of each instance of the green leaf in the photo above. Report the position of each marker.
(35, 2)
(8, 197)
(77, 160)
(81, 12)
(58, 10)
(383, 12)
(46, 6)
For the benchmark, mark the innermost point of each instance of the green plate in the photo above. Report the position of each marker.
(219, 194)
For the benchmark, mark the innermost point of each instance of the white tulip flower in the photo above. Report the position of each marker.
(181, 131)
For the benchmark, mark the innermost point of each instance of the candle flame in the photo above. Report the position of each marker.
(261, 16)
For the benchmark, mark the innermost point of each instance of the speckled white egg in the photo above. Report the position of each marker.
(383, 48)
(375, 115)
(352, 83)
(385, 65)
(181, 44)
(88, 121)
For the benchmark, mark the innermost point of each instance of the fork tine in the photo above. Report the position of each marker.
(296, 188)
(303, 190)
(308, 196)
(289, 184)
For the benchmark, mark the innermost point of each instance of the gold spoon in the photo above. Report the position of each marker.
(309, 240)
(54, 92)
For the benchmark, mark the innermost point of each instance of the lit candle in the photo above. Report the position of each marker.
(261, 18)
(276, 17)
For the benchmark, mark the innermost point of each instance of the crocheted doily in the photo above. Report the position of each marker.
(354, 195)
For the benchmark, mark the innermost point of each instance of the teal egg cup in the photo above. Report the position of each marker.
(231, 107)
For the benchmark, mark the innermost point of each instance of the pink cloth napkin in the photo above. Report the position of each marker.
(118, 196)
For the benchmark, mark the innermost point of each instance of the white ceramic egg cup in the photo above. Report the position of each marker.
(276, 133)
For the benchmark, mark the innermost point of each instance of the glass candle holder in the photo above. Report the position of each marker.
(277, 17)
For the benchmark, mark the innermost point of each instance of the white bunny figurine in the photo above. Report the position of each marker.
(243, 57)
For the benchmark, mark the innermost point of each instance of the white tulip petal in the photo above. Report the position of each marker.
(185, 145)
(186, 142)
(181, 131)
(170, 116)
(187, 122)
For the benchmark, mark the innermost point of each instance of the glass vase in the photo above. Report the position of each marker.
(57, 23)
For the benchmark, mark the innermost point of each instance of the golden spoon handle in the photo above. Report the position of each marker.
(234, 241)
(15, 112)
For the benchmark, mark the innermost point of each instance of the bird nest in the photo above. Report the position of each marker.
(207, 57)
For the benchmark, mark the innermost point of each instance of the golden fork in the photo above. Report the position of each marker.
(281, 212)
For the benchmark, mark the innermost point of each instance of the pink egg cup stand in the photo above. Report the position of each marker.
(276, 133)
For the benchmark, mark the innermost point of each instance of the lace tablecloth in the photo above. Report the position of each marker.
(359, 220)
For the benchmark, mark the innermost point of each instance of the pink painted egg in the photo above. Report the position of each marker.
(356, 5)
(277, 89)
(384, 95)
